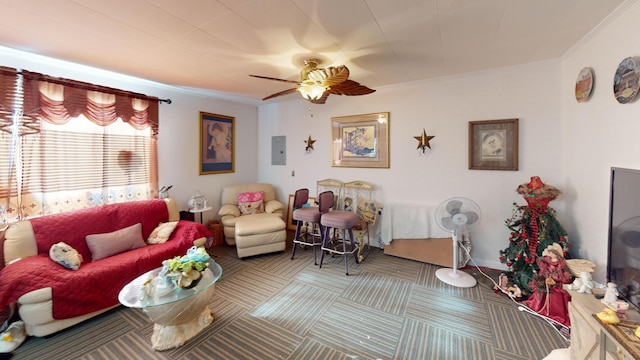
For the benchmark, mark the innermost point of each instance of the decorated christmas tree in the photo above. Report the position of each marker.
(533, 227)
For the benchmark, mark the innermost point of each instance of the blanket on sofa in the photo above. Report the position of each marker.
(95, 286)
(73, 227)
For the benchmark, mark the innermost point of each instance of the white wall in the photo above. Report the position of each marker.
(179, 126)
(443, 107)
(178, 147)
(598, 134)
(568, 144)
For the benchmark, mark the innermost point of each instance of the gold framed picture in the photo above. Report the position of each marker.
(360, 141)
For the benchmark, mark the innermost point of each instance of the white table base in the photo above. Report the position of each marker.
(172, 336)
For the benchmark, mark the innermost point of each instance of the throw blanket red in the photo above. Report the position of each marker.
(73, 227)
(95, 286)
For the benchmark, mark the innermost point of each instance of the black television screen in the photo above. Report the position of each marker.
(623, 265)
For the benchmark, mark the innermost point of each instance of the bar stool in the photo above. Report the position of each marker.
(341, 220)
(305, 215)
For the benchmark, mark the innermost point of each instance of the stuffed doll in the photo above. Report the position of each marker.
(549, 297)
(348, 204)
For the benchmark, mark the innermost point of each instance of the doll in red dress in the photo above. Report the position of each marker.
(549, 298)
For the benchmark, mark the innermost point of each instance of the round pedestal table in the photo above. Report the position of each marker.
(178, 314)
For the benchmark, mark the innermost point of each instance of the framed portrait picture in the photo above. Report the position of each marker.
(360, 141)
(217, 141)
(493, 145)
(291, 225)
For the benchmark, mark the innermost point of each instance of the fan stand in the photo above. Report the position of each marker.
(454, 276)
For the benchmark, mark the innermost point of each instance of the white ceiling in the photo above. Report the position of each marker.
(216, 44)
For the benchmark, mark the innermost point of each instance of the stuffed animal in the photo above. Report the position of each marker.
(585, 284)
(65, 255)
(11, 338)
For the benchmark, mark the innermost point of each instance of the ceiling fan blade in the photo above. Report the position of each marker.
(350, 88)
(330, 76)
(284, 92)
(276, 79)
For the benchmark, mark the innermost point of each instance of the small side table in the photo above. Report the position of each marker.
(195, 211)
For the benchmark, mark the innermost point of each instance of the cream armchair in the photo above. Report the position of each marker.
(230, 212)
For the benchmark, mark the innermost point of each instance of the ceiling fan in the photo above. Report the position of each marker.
(316, 84)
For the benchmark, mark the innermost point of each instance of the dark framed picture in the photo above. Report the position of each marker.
(493, 145)
(360, 141)
(217, 141)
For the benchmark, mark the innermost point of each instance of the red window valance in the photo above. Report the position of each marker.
(57, 100)
(7, 97)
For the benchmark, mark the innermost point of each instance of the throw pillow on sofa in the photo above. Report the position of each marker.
(107, 244)
(251, 202)
(162, 232)
(65, 255)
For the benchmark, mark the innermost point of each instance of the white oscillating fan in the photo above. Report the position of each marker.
(457, 216)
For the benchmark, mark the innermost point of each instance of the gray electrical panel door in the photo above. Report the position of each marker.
(279, 150)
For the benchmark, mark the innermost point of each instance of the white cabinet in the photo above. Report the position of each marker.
(589, 338)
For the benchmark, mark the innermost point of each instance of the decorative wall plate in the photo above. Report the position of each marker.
(584, 84)
(626, 80)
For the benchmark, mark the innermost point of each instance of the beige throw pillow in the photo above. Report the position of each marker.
(162, 232)
(107, 244)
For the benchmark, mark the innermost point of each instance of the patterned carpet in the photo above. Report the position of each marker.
(272, 307)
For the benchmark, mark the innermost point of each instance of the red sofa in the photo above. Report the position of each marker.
(51, 297)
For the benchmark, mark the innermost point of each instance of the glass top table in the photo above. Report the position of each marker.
(146, 290)
(178, 314)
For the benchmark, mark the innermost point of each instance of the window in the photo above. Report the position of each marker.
(72, 145)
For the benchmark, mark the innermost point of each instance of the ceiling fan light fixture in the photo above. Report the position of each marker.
(316, 84)
(311, 91)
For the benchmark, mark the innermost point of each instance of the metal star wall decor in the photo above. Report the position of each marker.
(309, 143)
(423, 140)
